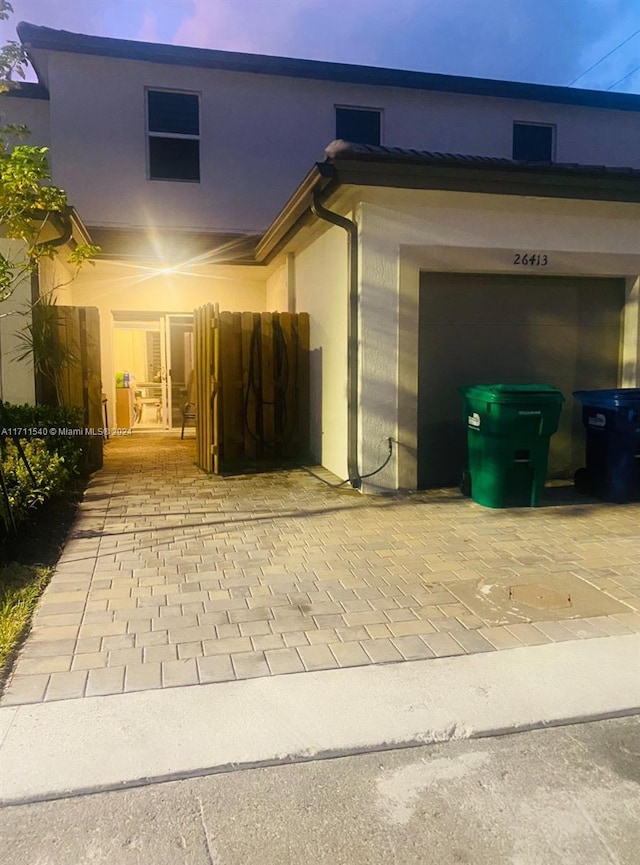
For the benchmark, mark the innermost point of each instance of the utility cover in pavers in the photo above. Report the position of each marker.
(534, 598)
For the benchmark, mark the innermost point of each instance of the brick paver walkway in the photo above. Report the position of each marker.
(172, 577)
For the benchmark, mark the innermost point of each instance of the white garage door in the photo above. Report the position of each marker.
(513, 329)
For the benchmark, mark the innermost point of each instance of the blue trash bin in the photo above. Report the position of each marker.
(612, 422)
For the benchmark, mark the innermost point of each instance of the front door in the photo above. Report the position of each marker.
(153, 359)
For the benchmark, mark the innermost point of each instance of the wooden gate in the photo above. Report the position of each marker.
(252, 387)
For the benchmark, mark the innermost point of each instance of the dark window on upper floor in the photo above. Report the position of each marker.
(173, 129)
(360, 125)
(533, 142)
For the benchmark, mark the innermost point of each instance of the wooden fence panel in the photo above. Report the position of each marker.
(231, 386)
(249, 321)
(252, 386)
(302, 431)
(267, 391)
(78, 331)
(213, 404)
(204, 379)
(90, 359)
(287, 398)
(68, 332)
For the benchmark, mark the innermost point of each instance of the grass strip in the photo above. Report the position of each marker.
(20, 588)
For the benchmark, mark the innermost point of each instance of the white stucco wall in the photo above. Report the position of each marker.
(118, 287)
(321, 290)
(402, 233)
(260, 135)
(55, 278)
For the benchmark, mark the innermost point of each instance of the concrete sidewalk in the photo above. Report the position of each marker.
(57, 749)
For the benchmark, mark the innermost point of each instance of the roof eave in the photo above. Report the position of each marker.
(295, 213)
(540, 181)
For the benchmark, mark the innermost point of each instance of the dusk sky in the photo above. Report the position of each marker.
(545, 41)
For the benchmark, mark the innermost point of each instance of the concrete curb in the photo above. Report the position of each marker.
(74, 747)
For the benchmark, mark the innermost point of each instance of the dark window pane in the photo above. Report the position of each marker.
(532, 143)
(361, 127)
(173, 112)
(174, 158)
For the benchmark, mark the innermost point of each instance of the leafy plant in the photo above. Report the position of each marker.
(13, 57)
(37, 416)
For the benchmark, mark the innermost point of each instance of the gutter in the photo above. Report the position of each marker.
(65, 237)
(353, 340)
(69, 224)
(306, 202)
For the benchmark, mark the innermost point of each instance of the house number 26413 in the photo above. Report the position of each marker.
(530, 259)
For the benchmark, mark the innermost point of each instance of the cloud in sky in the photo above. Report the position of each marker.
(547, 41)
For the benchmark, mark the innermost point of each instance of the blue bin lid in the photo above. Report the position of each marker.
(609, 398)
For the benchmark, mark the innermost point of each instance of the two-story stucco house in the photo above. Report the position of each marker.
(456, 230)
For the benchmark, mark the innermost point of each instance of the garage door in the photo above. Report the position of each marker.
(513, 329)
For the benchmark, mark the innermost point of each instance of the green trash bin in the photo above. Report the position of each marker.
(508, 432)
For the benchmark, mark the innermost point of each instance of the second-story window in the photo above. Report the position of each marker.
(359, 125)
(173, 129)
(533, 142)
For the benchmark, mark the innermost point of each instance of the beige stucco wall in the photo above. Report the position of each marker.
(56, 278)
(119, 287)
(260, 134)
(277, 292)
(404, 232)
(321, 290)
(16, 377)
(630, 354)
(32, 113)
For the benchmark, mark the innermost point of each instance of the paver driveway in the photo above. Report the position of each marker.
(172, 577)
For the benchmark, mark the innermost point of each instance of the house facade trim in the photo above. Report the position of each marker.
(36, 37)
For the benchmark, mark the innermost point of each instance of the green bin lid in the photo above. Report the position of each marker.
(506, 393)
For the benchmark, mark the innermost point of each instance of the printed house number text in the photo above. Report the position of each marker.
(530, 259)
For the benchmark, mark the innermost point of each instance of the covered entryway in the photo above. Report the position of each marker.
(481, 328)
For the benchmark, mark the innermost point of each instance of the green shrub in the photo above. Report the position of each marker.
(39, 416)
(74, 449)
(52, 479)
(57, 461)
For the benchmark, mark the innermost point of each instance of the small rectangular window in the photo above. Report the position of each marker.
(533, 142)
(173, 128)
(359, 125)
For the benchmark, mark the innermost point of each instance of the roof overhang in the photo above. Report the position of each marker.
(158, 246)
(385, 167)
(60, 228)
